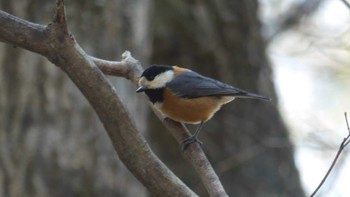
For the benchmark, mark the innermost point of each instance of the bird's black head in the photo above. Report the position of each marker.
(151, 72)
(155, 77)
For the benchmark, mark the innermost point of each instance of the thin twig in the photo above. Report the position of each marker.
(341, 148)
(347, 122)
(346, 3)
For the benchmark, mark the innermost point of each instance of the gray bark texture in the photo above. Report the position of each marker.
(51, 140)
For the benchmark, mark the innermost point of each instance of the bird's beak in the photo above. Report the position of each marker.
(141, 89)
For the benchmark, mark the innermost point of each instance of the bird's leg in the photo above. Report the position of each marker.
(193, 138)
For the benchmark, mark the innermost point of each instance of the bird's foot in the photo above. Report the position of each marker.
(189, 141)
(166, 119)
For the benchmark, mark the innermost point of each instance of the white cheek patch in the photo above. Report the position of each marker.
(160, 80)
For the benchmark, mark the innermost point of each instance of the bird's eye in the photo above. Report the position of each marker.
(151, 77)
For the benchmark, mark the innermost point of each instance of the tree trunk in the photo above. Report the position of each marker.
(247, 140)
(52, 143)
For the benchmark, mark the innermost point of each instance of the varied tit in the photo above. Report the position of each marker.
(186, 96)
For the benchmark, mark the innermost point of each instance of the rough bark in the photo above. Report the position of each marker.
(221, 39)
(51, 139)
(59, 46)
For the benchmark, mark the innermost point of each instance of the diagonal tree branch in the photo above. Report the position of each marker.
(344, 143)
(194, 153)
(61, 49)
(55, 42)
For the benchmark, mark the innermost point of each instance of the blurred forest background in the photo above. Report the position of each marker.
(52, 143)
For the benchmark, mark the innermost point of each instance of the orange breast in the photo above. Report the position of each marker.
(193, 110)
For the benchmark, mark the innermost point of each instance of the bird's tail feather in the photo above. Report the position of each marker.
(253, 96)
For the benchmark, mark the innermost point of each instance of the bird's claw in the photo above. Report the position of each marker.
(166, 119)
(189, 141)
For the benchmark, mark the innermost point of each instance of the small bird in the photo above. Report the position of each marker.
(186, 96)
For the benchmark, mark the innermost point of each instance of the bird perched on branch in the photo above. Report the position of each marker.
(186, 96)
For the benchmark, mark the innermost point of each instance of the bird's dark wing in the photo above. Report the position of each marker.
(193, 85)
